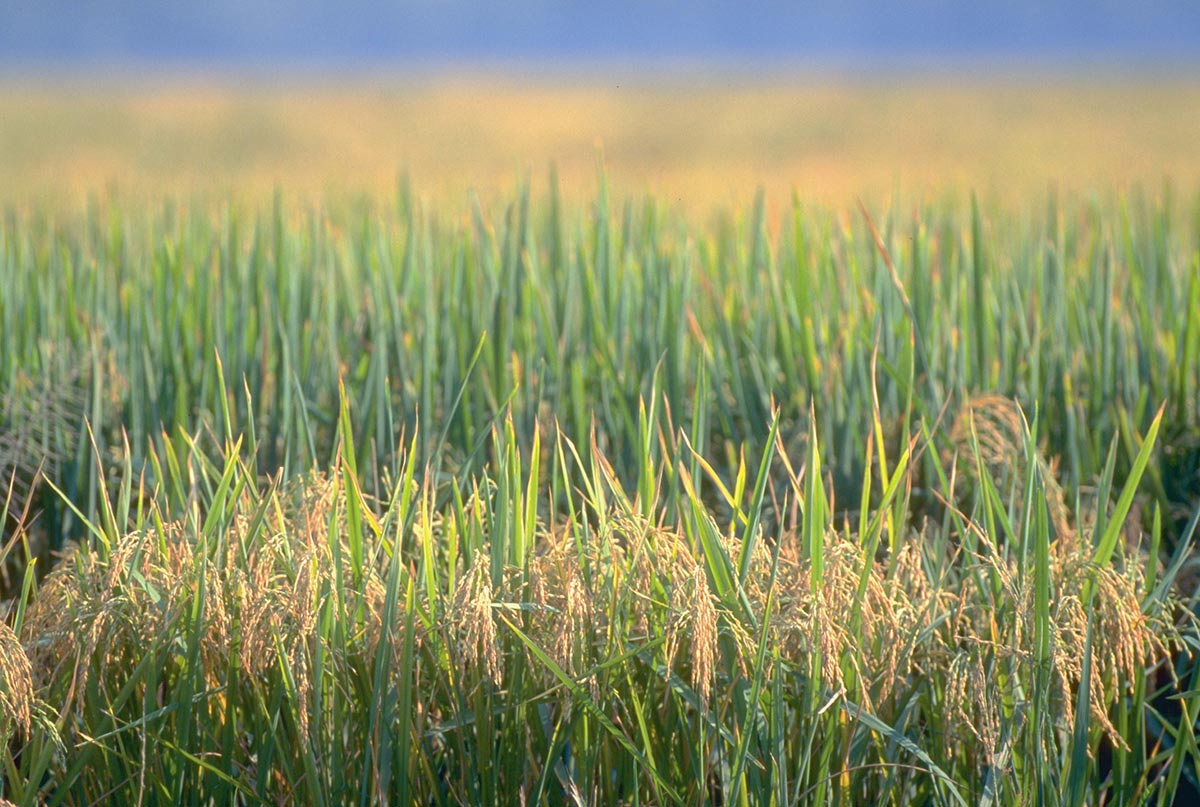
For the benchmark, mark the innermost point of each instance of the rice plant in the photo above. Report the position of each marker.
(371, 503)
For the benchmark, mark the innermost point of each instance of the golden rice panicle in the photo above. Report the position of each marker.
(704, 633)
(997, 426)
(16, 685)
(471, 619)
(69, 615)
(973, 702)
(812, 622)
(999, 431)
(1125, 638)
(563, 618)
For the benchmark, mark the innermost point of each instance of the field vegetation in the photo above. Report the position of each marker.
(380, 500)
(695, 142)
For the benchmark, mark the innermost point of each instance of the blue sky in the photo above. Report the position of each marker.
(371, 33)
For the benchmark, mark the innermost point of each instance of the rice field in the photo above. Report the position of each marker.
(698, 142)
(536, 498)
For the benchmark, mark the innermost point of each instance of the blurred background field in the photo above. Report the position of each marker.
(694, 140)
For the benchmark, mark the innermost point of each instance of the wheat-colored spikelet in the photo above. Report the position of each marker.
(472, 621)
(663, 561)
(261, 593)
(48, 643)
(566, 608)
(1125, 639)
(973, 704)
(703, 634)
(821, 627)
(79, 613)
(99, 614)
(631, 561)
(996, 425)
(573, 616)
(916, 602)
(977, 641)
(303, 567)
(561, 622)
(629, 553)
(676, 620)
(278, 615)
(16, 685)
(116, 605)
(813, 624)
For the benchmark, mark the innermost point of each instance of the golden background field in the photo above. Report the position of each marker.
(695, 141)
